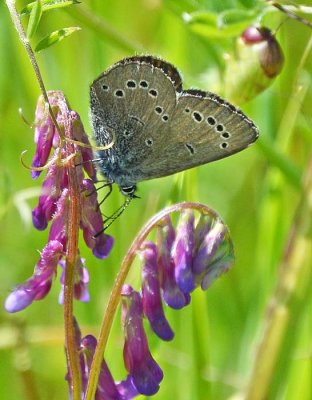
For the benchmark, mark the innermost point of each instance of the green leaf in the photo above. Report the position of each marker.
(34, 18)
(55, 37)
(48, 5)
(227, 24)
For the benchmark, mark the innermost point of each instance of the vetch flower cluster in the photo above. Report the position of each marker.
(192, 255)
(54, 201)
(181, 259)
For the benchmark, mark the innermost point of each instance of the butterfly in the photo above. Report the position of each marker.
(157, 128)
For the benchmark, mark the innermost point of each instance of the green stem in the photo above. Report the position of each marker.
(120, 280)
(73, 217)
(21, 32)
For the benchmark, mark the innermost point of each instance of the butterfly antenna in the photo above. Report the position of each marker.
(115, 215)
(110, 188)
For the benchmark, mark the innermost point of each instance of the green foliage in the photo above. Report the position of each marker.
(55, 37)
(261, 193)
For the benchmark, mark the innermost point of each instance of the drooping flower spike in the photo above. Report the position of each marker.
(194, 254)
(53, 203)
(191, 255)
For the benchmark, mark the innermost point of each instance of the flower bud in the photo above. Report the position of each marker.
(259, 59)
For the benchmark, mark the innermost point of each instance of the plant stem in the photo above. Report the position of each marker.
(21, 32)
(72, 229)
(73, 217)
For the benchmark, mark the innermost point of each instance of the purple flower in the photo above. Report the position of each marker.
(182, 252)
(145, 372)
(172, 294)
(92, 222)
(107, 389)
(53, 183)
(151, 297)
(81, 281)
(39, 284)
(208, 247)
(44, 135)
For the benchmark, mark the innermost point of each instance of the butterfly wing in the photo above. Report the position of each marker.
(203, 128)
(129, 103)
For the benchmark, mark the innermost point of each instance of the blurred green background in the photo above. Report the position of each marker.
(259, 193)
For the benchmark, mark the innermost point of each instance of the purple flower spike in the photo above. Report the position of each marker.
(208, 248)
(182, 252)
(39, 284)
(92, 222)
(172, 294)
(145, 372)
(151, 298)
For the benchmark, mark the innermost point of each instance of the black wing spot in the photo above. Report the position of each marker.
(159, 110)
(190, 148)
(197, 116)
(153, 93)
(131, 84)
(144, 84)
(211, 120)
(119, 93)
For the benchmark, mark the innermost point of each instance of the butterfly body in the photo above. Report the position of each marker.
(158, 128)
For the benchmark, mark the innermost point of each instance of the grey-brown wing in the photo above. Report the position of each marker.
(203, 128)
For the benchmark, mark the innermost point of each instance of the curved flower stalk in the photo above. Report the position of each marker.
(54, 200)
(181, 259)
